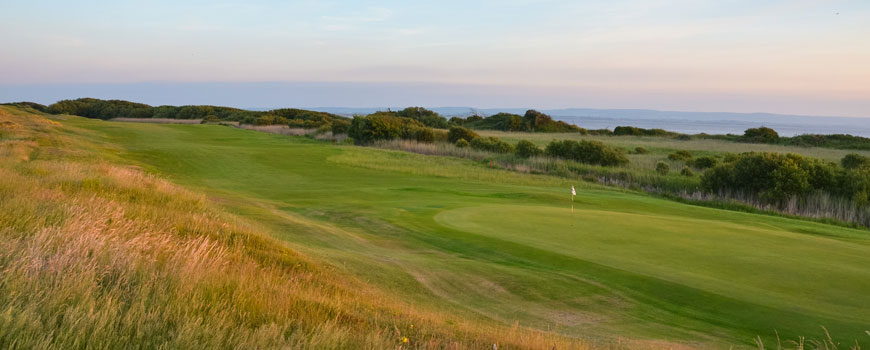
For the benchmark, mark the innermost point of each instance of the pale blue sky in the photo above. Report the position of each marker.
(665, 54)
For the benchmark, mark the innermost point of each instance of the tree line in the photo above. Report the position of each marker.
(109, 109)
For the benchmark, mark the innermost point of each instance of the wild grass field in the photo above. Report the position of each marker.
(365, 242)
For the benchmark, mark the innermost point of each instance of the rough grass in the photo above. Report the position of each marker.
(103, 256)
(279, 129)
(158, 120)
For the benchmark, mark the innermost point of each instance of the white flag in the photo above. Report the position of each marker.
(573, 193)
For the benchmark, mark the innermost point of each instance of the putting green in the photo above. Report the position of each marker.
(747, 262)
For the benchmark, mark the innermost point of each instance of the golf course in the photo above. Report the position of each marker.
(513, 248)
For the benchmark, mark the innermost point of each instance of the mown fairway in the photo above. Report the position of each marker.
(507, 246)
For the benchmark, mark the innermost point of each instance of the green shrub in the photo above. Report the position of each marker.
(457, 132)
(705, 162)
(640, 150)
(855, 184)
(427, 117)
(532, 121)
(527, 149)
(324, 128)
(491, 144)
(382, 126)
(760, 135)
(340, 126)
(424, 135)
(461, 143)
(854, 161)
(540, 122)
(440, 135)
(663, 168)
(831, 141)
(680, 156)
(635, 131)
(773, 176)
(687, 172)
(591, 152)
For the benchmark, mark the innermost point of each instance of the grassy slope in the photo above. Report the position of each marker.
(450, 233)
(95, 254)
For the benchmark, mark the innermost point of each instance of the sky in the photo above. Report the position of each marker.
(798, 56)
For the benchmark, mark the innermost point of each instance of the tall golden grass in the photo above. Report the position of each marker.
(96, 255)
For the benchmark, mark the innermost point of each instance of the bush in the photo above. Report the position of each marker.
(840, 141)
(773, 176)
(687, 172)
(340, 126)
(491, 144)
(663, 168)
(527, 149)
(635, 131)
(680, 156)
(540, 122)
(383, 127)
(640, 150)
(461, 143)
(760, 135)
(855, 161)
(424, 135)
(855, 184)
(427, 117)
(591, 152)
(324, 128)
(265, 120)
(440, 135)
(457, 132)
(705, 162)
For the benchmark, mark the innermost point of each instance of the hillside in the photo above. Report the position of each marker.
(212, 236)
